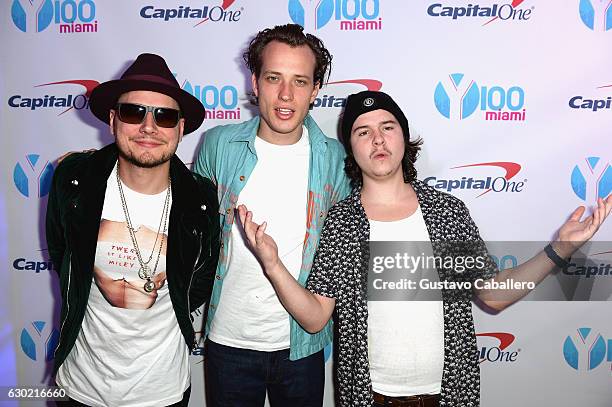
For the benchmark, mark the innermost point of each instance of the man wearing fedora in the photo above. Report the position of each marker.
(134, 236)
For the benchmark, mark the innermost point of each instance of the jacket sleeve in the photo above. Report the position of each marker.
(329, 268)
(54, 229)
(476, 248)
(342, 184)
(203, 278)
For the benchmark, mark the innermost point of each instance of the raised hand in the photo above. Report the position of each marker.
(262, 244)
(574, 232)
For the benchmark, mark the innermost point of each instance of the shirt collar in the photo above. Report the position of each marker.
(317, 139)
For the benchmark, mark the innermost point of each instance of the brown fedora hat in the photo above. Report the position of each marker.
(148, 72)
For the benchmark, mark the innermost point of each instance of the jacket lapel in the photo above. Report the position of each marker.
(85, 209)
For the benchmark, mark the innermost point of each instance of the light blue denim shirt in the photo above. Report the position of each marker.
(228, 157)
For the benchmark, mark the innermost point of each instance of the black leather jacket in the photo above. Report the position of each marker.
(73, 219)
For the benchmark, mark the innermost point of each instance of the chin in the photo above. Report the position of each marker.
(146, 160)
(286, 127)
(148, 164)
(382, 174)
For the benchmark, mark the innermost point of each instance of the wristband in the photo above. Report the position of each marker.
(552, 255)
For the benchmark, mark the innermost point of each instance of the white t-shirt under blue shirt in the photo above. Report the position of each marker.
(249, 314)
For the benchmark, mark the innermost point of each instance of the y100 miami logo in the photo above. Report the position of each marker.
(198, 15)
(497, 347)
(507, 261)
(327, 353)
(334, 94)
(504, 12)
(65, 102)
(32, 176)
(458, 97)
(484, 184)
(348, 15)
(39, 340)
(221, 102)
(596, 14)
(592, 179)
(584, 350)
(70, 16)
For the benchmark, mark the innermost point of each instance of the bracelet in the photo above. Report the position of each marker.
(552, 255)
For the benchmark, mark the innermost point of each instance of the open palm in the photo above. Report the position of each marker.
(262, 244)
(577, 232)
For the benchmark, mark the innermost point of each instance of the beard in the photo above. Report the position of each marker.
(145, 160)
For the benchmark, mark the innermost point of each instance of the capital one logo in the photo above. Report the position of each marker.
(484, 184)
(596, 14)
(33, 176)
(500, 352)
(39, 340)
(334, 94)
(457, 97)
(592, 179)
(352, 14)
(585, 349)
(66, 102)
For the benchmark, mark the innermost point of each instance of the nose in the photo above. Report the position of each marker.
(148, 125)
(377, 138)
(285, 92)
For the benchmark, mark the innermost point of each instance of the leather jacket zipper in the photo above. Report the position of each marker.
(67, 306)
(199, 234)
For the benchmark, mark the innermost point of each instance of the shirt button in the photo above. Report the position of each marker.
(242, 178)
(222, 245)
(218, 277)
(228, 211)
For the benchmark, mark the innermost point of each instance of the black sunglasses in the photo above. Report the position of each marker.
(133, 113)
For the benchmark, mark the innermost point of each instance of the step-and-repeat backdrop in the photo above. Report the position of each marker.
(512, 99)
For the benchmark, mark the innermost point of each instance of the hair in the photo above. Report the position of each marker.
(294, 36)
(411, 153)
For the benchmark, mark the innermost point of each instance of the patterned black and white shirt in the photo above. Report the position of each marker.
(340, 271)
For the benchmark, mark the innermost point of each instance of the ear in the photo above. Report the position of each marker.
(111, 121)
(315, 92)
(181, 128)
(254, 85)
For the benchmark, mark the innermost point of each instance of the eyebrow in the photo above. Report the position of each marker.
(359, 128)
(280, 74)
(380, 124)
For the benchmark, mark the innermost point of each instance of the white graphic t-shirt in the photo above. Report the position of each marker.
(130, 350)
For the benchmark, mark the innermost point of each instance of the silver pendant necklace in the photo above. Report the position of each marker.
(145, 272)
